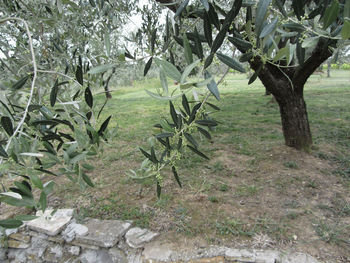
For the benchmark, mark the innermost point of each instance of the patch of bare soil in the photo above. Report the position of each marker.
(285, 199)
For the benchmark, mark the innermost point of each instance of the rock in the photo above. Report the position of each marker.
(93, 256)
(298, 258)
(74, 229)
(20, 237)
(117, 255)
(18, 255)
(240, 255)
(36, 234)
(37, 248)
(137, 237)
(17, 244)
(56, 239)
(3, 255)
(219, 259)
(157, 253)
(83, 245)
(57, 251)
(212, 251)
(51, 224)
(103, 233)
(11, 231)
(54, 254)
(267, 256)
(73, 250)
(135, 257)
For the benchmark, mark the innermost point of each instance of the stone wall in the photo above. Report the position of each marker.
(59, 238)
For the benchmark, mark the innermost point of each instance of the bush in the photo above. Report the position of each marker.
(345, 66)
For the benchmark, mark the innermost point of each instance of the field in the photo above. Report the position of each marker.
(254, 191)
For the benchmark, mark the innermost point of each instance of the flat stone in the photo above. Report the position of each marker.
(73, 250)
(158, 253)
(298, 258)
(267, 256)
(3, 252)
(74, 229)
(11, 231)
(83, 245)
(51, 225)
(17, 244)
(94, 256)
(135, 257)
(103, 233)
(137, 237)
(117, 255)
(54, 254)
(244, 255)
(37, 234)
(219, 259)
(18, 255)
(20, 237)
(38, 247)
(56, 239)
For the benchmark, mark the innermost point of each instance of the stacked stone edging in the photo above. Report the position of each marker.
(58, 238)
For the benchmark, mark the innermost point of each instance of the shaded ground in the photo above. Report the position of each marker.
(254, 192)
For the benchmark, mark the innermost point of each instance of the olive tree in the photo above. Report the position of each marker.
(284, 42)
(52, 55)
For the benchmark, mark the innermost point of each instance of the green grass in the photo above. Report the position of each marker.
(251, 185)
(250, 123)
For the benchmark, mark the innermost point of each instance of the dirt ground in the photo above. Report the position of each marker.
(287, 200)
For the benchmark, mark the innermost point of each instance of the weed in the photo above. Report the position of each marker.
(331, 233)
(312, 184)
(110, 208)
(233, 227)
(223, 187)
(247, 190)
(339, 206)
(213, 199)
(218, 167)
(291, 165)
(163, 201)
(232, 174)
(292, 215)
(291, 204)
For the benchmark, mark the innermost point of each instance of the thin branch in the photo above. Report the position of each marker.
(19, 127)
(61, 74)
(4, 63)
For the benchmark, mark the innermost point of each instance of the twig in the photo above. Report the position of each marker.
(61, 74)
(20, 124)
(3, 62)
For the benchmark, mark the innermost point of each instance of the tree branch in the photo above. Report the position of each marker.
(20, 124)
(320, 54)
(169, 4)
(14, 73)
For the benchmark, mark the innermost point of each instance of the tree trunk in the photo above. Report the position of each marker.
(107, 92)
(329, 68)
(106, 85)
(295, 123)
(267, 93)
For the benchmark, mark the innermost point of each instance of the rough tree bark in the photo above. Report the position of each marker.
(328, 68)
(287, 86)
(105, 84)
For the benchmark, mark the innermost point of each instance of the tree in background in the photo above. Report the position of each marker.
(284, 42)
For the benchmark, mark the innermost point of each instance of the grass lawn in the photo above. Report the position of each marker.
(254, 191)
